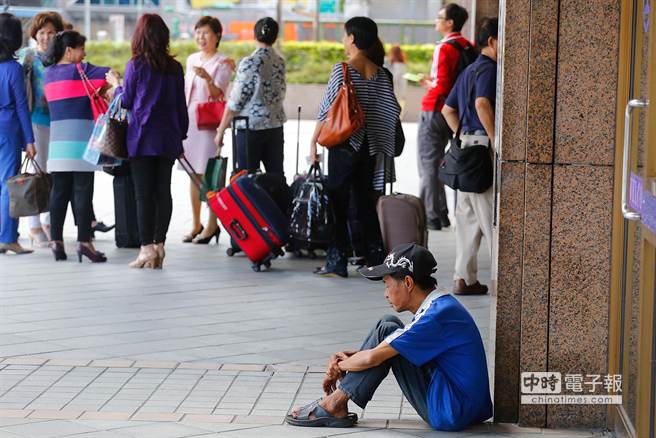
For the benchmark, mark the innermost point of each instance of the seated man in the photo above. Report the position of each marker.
(438, 358)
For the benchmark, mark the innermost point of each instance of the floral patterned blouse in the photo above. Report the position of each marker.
(259, 89)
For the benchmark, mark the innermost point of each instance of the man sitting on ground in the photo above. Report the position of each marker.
(438, 358)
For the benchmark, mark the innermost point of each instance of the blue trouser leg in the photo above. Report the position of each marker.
(9, 162)
(414, 381)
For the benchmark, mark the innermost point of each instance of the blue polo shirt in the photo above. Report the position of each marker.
(484, 72)
(443, 336)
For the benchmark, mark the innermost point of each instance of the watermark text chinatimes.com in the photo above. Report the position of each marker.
(552, 388)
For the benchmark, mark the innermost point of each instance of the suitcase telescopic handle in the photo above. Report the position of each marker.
(186, 165)
(238, 230)
(236, 162)
(298, 137)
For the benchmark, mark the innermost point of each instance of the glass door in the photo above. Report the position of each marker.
(632, 349)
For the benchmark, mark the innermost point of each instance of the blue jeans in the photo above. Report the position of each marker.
(414, 381)
(10, 153)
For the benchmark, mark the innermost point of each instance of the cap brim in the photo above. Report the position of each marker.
(375, 273)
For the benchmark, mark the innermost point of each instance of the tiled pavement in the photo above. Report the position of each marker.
(203, 347)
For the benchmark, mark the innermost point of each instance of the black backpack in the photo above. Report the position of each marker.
(467, 55)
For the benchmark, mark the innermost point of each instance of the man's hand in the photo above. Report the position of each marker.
(426, 82)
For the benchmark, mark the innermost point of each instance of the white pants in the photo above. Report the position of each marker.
(473, 220)
(41, 141)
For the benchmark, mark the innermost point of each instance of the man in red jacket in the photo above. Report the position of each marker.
(433, 131)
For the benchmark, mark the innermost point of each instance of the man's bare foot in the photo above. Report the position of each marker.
(336, 404)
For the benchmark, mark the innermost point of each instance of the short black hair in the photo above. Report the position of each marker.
(213, 23)
(427, 283)
(266, 30)
(457, 13)
(11, 36)
(489, 28)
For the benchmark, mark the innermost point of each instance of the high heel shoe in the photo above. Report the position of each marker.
(188, 238)
(147, 258)
(208, 239)
(39, 239)
(15, 248)
(159, 249)
(58, 251)
(92, 255)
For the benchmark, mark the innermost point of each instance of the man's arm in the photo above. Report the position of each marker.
(485, 112)
(451, 116)
(365, 359)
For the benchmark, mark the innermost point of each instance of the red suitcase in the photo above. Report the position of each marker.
(251, 217)
(253, 220)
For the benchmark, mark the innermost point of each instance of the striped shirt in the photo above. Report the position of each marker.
(71, 118)
(381, 112)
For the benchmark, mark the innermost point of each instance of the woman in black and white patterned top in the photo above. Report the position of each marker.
(357, 167)
(258, 93)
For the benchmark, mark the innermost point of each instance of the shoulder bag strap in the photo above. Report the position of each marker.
(88, 86)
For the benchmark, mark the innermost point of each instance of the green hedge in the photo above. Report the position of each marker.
(307, 62)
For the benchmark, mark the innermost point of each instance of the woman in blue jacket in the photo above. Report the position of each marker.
(15, 126)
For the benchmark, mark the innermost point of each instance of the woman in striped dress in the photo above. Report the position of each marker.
(71, 124)
(358, 165)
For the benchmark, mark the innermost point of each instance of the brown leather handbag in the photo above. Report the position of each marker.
(29, 193)
(345, 115)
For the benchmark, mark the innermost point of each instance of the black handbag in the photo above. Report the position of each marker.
(311, 224)
(468, 168)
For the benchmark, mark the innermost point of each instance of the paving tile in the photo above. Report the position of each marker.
(112, 363)
(258, 419)
(48, 429)
(192, 418)
(14, 413)
(106, 416)
(50, 414)
(407, 424)
(199, 365)
(24, 360)
(241, 367)
(157, 416)
(68, 362)
(155, 364)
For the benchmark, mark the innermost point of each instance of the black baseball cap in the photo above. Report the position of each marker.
(408, 259)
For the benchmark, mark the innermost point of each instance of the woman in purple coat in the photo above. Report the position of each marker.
(153, 91)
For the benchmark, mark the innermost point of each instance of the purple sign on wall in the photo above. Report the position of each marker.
(648, 211)
(646, 11)
(635, 192)
(643, 202)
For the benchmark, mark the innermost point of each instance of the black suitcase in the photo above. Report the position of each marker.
(126, 233)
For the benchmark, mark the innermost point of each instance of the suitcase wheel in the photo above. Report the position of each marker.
(230, 252)
(267, 265)
(256, 267)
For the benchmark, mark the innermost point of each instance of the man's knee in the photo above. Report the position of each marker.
(387, 325)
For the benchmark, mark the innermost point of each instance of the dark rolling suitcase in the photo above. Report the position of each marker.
(247, 212)
(126, 233)
(274, 184)
(252, 219)
(402, 220)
